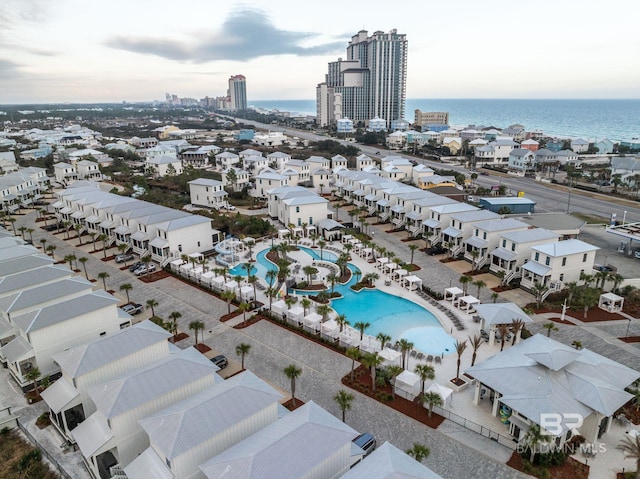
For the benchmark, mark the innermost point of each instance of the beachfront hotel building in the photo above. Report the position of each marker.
(237, 92)
(369, 83)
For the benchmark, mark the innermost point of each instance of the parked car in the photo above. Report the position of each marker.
(132, 308)
(636, 254)
(135, 266)
(484, 173)
(231, 207)
(220, 360)
(366, 442)
(144, 269)
(435, 250)
(123, 258)
(53, 227)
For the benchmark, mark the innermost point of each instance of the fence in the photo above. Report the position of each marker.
(44, 452)
(506, 441)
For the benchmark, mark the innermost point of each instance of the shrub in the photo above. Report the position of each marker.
(27, 459)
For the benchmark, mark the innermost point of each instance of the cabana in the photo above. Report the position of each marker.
(391, 356)
(282, 234)
(381, 262)
(611, 302)
(295, 315)
(298, 231)
(366, 253)
(444, 392)
(246, 293)
(175, 264)
(330, 329)
(369, 344)
(346, 238)
(231, 286)
(279, 308)
(407, 385)
(207, 277)
(452, 294)
(467, 302)
(412, 282)
(218, 283)
(349, 337)
(185, 268)
(389, 267)
(399, 274)
(312, 322)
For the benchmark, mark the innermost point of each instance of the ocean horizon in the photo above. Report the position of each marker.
(589, 119)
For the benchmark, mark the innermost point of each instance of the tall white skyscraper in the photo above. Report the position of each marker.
(370, 83)
(237, 92)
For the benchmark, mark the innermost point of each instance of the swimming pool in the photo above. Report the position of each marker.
(259, 268)
(315, 254)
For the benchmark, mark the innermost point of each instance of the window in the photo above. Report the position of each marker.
(125, 325)
(299, 222)
(103, 333)
(547, 261)
(484, 235)
(537, 256)
(564, 261)
(198, 244)
(297, 209)
(477, 232)
(310, 220)
(513, 246)
(584, 258)
(504, 243)
(561, 278)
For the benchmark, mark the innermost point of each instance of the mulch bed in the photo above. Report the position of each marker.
(203, 348)
(571, 469)
(448, 260)
(631, 413)
(179, 337)
(474, 273)
(561, 321)
(252, 320)
(150, 278)
(122, 268)
(631, 339)
(594, 314)
(414, 410)
(289, 404)
(108, 258)
(500, 289)
(32, 397)
(230, 315)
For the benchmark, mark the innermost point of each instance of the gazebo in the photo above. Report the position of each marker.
(412, 282)
(312, 322)
(207, 277)
(611, 302)
(279, 307)
(282, 234)
(389, 267)
(346, 238)
(246, 293)
(493, 314)
(391, 356)
(218, 282)
(329, 329)
(398, 274)
(451, 294)
(295, 315)
(467, 302)
(381, 262)
(407, 385)
(443, 391)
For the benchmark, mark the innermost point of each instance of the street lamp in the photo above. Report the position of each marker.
(624, 218)
(628, 324)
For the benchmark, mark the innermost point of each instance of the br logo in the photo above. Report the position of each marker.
(553, 422)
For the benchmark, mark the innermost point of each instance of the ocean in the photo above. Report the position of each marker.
(589, 119)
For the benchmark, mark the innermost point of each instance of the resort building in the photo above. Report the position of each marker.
(486, 237)
(65, 173)
(541, 376)
(266, 180)
(161, 166)
(208, 193)
(88, 170)
(235, 178)
(226, 159)
(495, 152)
(441, 219)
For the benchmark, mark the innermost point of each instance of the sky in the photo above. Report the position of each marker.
(136, 50)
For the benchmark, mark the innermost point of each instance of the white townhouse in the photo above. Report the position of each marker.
(255, 164)
(199, 157)
(421, 210)
(545, 157)
(161, 166)
(266, 180)
(319, 162)
(567, 157)
(88, 170)
(112, 436)
(308, 209)
(390, 191)
(226, 159)
(540, 376)
(208, 193)
(43, 332)
(521, 160)
(420, 171)
(188, 234)
(514, 250)
(277, 159)
(158, 151)
(18, 190)
(388, 462)
(339, 161)
(272, 138)
(495, 152)
(404, 201)
(249, 152)
(65, 173)
(486, 237)
(190, 432)
(439, 220)
(236, 180)
(321, 178)
(363, 161)
(555, 264)
(301, 167)
(400, 163)
(461, 226)
(396, 140)
(96, 362)
(326, 456)
(626, 167)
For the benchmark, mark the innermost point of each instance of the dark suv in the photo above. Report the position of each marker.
(220, 361)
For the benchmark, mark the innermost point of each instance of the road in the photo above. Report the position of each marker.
(548, 199)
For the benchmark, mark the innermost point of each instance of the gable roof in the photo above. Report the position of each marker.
(566, 247)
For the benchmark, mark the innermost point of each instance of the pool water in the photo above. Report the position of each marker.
(315, 254)
(259, 268)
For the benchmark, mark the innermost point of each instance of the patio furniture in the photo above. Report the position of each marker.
(438, 360)
(429, 358)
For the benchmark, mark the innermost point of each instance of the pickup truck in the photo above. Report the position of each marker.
(132, 308)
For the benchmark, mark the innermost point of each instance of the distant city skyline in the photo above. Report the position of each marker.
(74, 51)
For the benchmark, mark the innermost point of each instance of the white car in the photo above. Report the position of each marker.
(145, 269)
(231, 207)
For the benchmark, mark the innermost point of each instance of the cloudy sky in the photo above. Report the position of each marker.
(99, 50)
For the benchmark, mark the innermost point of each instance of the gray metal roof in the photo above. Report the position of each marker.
(34, 277)
(389, 462)
(205, 182)
(16, 349)
(476, 215)
(530, 235)
(59, 312)
(89, 357)
(41, 295)
(563, 248)
(187, 424)
(501, 224)
(148, 464)
(25, 263)
(17, 251)
(59, 394)
(289, 448)
(555, 221)
(541, 375)
(501, 313)
(145, 384)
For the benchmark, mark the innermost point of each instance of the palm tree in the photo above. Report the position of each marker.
(228, 296)
(321, 244)
(44, 242)
(342, 321)
(475, 341)
(306, 304)
(503, 330)
(242, 350)
(126, 287)
(30, 231)
(425, 372)
(103, 275)
(372, 361)
(344, 400)
(577, 344)
(361, 326)
(50, 249)
(271, 276)
(196, 326)
(33, 375)
(631, 448)
(550, 326)
(244, 307)
(413, 248)
(539, 290)
(405, 348)
(383, 338)
(588, 299)
(22, 229)
(78, 228)
(432, 399)
(103, 237)
(517, 325)
(69, 259)
(174, 316)
(323, 310)
(292, 372)
(494, 297)
(84, 260)
(479, 284)
(460, 349)
(393, 371)
(354, 354)
(464, 280)
(474, 256)
(534, 438)
(151, 304)
(13, 224)
(332, 279)
(419, 452)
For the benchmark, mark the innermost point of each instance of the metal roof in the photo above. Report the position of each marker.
(17, 349)
(148, 464)
(30, 298)
(25, 263)
(59, 394)
(34, 277)
(288, 448)
(93, 434)
(501, 224)
(476, 242)
(564, 248)
(530, 235)
(189, 423)
(501, 313)
(536, 268)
